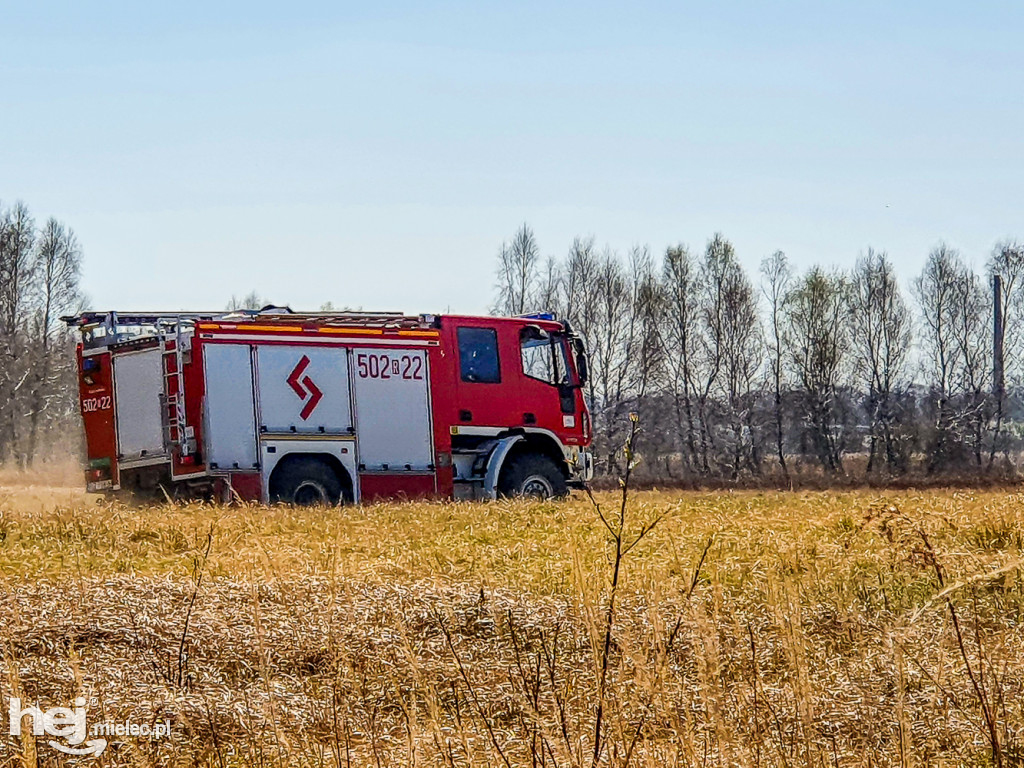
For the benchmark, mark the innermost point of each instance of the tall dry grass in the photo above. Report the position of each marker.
(753, 629)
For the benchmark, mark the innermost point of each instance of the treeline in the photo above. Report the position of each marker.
(39, 281)
(784, 375)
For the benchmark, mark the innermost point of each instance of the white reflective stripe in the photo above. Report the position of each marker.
(191, 475)
(143, 462)
(478, 431)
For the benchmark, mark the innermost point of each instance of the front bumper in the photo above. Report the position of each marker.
(581, 465)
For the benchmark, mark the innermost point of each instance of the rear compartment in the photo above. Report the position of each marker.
(121, 399)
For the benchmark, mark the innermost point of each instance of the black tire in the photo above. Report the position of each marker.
(305, 482)
(532, 475)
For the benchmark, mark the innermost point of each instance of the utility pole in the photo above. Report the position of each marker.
(998, 379)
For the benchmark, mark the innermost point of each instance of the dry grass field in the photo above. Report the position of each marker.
(749, 629)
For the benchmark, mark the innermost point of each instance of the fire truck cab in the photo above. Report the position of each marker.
(318, 408)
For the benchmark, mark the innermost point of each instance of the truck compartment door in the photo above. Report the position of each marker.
(303, 390)
(230, 407)
(138, 385)
(392, 409)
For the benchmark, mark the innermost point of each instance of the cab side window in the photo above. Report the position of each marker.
(478, 355)
(543, 357)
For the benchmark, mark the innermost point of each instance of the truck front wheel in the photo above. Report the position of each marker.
(532, 476)
(305, 482)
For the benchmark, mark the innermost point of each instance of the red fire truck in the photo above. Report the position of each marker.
(318, 408)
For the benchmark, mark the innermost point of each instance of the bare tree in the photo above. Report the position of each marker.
(518, 274)
(17, 237)
(57, 265)
(648, 310)
(615, 343)
(777, 278)
(717, 251)
(578, 284)
(251, 300)
(731, 344)
(39, 274)
(818, 341)
(549, 288)
(680, 340)
(734, 343)
(935, 291)
(953, 313)
(880, 321)
(579, 298)
(971, 334)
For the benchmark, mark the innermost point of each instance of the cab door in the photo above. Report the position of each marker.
(549, 399)
(486, 375)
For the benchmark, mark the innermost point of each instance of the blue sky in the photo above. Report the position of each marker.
(376, 154)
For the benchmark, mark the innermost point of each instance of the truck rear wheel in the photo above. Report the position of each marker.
(532, 476)
(305, 482)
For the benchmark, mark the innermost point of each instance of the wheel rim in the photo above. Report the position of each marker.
(537, 487)
(310, 493)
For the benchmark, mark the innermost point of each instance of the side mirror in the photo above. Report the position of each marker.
(582, 367)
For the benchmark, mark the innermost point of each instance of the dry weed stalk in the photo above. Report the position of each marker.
(623, 544)
(988, 693)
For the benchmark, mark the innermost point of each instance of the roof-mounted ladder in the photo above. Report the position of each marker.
(177, 436)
